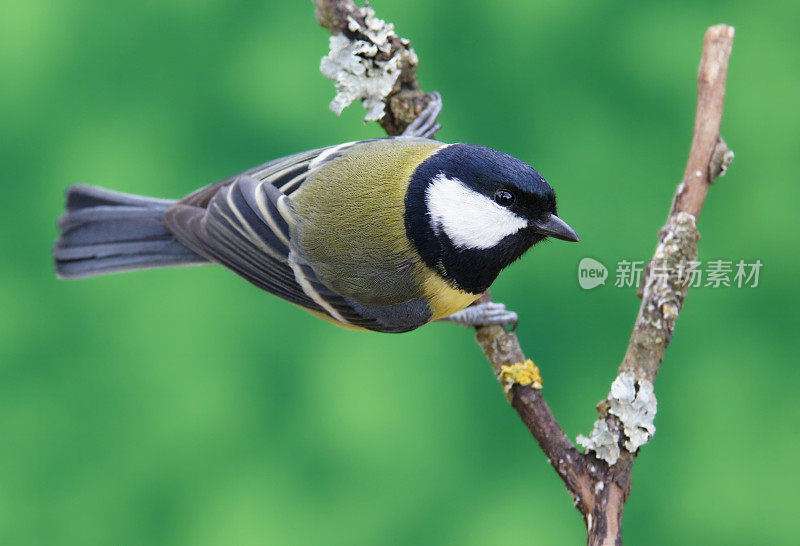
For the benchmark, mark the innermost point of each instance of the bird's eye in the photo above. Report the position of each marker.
(504, 198)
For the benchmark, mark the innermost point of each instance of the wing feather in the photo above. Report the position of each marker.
(244, 222)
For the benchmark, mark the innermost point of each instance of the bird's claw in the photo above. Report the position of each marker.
(425, 125)
(485, 314)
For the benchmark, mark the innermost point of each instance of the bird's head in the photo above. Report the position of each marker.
(471, 211)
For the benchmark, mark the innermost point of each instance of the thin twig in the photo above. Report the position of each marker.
(599, 488)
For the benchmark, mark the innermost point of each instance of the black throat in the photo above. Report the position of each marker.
(471, 270)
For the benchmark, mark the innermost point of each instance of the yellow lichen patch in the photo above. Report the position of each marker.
(522, 373)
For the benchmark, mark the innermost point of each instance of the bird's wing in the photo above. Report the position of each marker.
(287, 173)
(243, 224)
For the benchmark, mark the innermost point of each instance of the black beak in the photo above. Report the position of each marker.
(553, 226)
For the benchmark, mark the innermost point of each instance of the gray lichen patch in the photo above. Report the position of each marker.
(367, 67)
(670, 276)
(603, 441)
(721, 159)
(634, 404)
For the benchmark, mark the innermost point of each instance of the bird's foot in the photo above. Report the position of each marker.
(484, 314)
(425, 125)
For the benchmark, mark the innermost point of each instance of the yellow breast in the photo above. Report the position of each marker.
(443, 298)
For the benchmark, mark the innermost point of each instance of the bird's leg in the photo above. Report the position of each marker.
(484, 314)
(425, 125)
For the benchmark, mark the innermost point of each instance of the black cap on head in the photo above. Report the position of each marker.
(486, 170)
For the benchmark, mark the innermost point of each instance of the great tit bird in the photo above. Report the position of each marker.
(386, 234)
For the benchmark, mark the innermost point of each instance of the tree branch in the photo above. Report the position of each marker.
(599, 479)
(708, 158)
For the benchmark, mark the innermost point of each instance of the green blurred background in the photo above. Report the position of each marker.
(186, 407)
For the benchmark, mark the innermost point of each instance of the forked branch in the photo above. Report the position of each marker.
(599, 479)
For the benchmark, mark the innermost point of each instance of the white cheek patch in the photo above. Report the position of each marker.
(468, 218)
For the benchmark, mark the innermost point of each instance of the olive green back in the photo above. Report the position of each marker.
(350, 221)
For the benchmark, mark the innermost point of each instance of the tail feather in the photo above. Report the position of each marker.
(84, 197)
(104, 231)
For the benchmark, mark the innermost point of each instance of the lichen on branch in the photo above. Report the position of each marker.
(633, 403)
(368, 61)
(365, 66)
